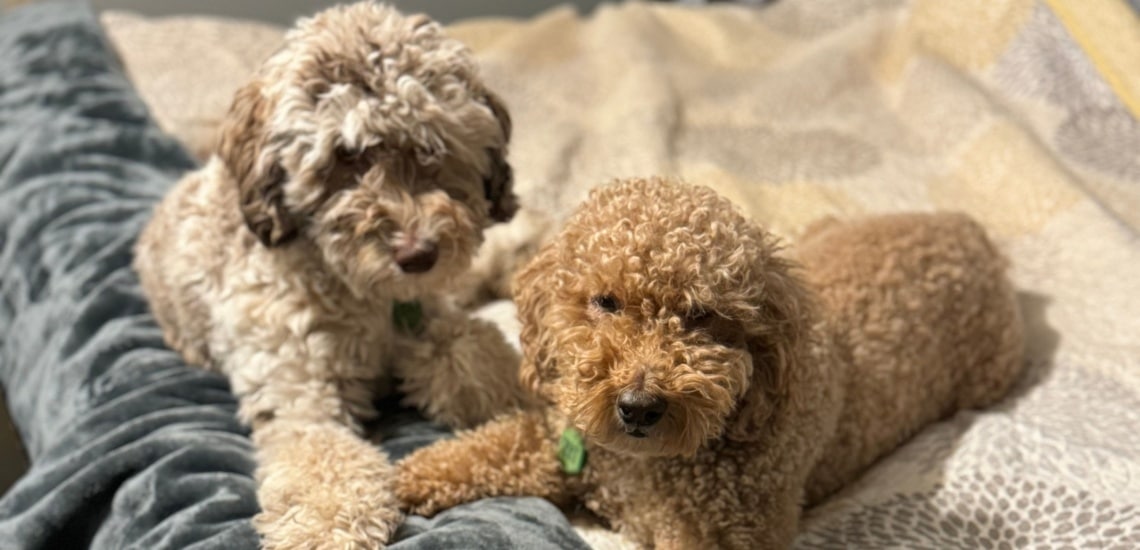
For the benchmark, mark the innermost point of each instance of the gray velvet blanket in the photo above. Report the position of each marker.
(130, 448)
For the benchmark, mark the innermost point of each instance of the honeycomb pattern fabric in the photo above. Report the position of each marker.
(1005, 110)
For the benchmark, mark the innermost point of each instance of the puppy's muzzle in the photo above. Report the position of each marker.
(638, 410)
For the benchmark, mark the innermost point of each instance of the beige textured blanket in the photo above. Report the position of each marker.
(1022, 113)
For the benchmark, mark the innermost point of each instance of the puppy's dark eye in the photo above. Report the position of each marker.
(718, 328)
(698, 318)
(606, 303)
(345, 154)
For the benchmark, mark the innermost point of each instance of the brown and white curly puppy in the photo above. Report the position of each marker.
(718, 388)
(354, 177)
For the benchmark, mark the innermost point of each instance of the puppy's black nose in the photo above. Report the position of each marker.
(416, 259)
(640, 409)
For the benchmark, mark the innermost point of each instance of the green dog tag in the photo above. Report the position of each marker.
(572, 451)
(408, 316)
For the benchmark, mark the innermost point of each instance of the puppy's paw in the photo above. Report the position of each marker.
(511, 456)
(321, 486)
(414, 496)
(424, 489)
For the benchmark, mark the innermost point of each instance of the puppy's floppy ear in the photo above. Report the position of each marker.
(531, 288)
(498, 186)
(778, 352)
(260, 193)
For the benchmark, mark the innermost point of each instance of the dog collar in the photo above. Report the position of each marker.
(408, 316)
(572, 451)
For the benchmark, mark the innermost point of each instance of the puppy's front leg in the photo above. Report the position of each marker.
(320, 485)
(514, 455)
(459, 370)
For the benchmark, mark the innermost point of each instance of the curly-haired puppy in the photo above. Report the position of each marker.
(702, 389)
(352, 183)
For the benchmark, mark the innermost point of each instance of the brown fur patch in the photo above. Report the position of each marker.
(260, 196)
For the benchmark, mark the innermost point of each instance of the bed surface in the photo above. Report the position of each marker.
(1023, 115)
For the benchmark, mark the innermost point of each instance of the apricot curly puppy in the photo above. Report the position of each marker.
(352, 184)
(717, 389)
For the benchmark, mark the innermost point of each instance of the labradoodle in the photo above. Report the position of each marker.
(307, 260)
(703, 389)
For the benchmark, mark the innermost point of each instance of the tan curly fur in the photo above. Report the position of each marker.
(780, 383)
(359, 167)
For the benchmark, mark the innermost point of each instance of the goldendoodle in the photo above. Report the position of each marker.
(352, 184)
(703, 389)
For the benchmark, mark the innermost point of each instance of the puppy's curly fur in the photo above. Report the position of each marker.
(719, 388)
(358, 168)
